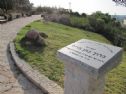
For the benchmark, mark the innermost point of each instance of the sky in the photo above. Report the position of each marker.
(84, 6)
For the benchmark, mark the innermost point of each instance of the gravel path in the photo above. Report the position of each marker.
(12, 80)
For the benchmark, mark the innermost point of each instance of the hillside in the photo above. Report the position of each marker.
(59, 36)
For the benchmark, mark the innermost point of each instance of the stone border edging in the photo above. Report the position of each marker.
(41, 81)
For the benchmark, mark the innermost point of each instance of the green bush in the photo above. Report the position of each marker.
(64, 20)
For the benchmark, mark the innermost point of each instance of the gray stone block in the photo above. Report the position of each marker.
(93, 57)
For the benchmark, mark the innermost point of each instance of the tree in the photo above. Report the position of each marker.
(39, 9)
(120, 2)
(20, 5)
(84, 15)
(75, 13)
(23, 5)
(6, 5)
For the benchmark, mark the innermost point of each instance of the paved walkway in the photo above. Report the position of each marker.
(12, 80)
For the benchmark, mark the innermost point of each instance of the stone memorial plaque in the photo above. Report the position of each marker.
(94, 57)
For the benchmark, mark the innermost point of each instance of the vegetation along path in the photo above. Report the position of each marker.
(11, 79)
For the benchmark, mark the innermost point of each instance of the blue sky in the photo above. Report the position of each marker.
(86, 6)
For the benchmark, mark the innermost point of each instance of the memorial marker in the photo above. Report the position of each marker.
(86, 63)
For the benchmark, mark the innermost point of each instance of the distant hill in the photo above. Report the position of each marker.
(119, 17)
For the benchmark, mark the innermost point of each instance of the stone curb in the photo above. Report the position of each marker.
(41, 81)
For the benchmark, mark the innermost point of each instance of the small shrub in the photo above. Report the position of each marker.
(64, 20)
(88, 27)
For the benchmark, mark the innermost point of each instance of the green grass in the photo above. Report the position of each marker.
(59, 36)
(116, 79)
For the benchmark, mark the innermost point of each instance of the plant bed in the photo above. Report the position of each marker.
(59, 36)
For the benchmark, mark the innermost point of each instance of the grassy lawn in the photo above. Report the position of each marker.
(59, 36)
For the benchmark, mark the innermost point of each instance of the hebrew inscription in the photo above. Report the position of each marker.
(87, 53)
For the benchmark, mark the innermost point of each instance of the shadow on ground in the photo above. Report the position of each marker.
(26, 86)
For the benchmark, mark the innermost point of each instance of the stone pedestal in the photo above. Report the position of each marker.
(86, 64)
(77, 81)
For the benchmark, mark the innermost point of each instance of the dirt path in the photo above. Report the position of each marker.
(12, 81)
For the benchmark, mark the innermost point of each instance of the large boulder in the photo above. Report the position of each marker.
(33, 37)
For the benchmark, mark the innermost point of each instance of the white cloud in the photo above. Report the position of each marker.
(87, 6)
